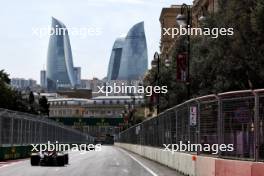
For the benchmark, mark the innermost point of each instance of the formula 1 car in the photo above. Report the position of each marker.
(49, 159)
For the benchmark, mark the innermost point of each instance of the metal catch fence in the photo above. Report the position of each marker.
(21, 129)
(228, 118)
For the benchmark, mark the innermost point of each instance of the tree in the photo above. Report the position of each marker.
(167, 77)
(43, 105)
(31, 98)
(6, 93)
(230, 63)
(12, 99)
(4, 77)
(32, 104)
(226, 63)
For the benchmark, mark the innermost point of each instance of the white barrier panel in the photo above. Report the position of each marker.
(193, 165)
(205, 166)
(181, 162)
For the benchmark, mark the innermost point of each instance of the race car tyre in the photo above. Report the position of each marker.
(60, 161)
(34, 160)
(66, 159)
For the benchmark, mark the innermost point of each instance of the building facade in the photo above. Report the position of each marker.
(93, 85)
(60, 70)
(97, 117)
(167, 19)
(67, 107)
(76, 93)
(98, 107)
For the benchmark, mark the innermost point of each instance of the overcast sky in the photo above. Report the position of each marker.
(23, 53)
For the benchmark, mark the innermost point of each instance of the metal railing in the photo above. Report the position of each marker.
(21, 129)
(228, 118)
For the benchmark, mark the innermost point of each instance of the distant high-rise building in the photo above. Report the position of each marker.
(60, 72)
(129, 57)
(134, 61)
(43, 79)
(77, 74)
(115, 59)
(85, 84)
(23, 84)
(94, 85)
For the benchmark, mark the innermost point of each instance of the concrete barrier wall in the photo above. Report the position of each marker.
(205, 166)
(194, 165)
(182, 162)
(257, 169)
(231, 167)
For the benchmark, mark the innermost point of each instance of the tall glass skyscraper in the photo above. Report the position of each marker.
(129, 57)
(115, 59)
(60, 72)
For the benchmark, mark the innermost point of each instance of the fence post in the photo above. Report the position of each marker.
(256, 126)
(219, 123)
(155, 137)
(198, 127)
(29, 135)
(36, 131)
(1, 129)
(12, 130)
(170, 124)
(21, 132)
(140, 134)
(176, 123)
(189, 123)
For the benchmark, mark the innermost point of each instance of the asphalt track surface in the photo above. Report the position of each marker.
(110, 161)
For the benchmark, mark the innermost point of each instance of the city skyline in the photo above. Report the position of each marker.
(92, 52)
(132, 87)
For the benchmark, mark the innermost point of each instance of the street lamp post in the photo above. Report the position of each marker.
(203, 17)
(133, 108)
(156, 64)
(186, 21)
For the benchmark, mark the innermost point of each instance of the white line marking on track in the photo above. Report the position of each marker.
(145, 167)
(125, 170)
(117, 163)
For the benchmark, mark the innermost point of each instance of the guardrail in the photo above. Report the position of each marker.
(22, 129)
(227, 118)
